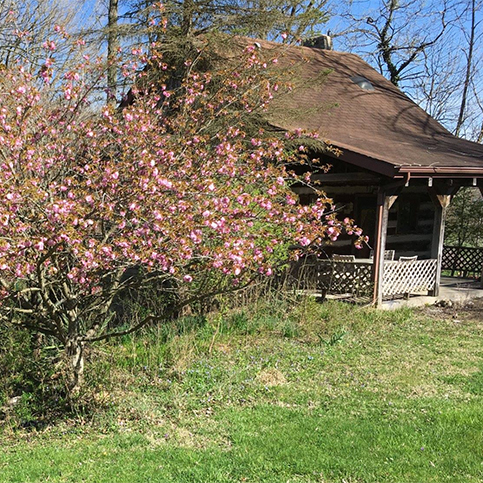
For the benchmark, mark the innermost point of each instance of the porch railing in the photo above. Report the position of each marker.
(356, 278)
(409, 277)
(462, 261)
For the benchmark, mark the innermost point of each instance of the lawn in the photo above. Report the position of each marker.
(280, 393)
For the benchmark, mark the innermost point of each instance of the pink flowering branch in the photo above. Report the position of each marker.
(181, 191)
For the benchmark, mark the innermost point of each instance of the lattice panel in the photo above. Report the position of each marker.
(332, 277)
(303, 274)
(408, 277)
(345, 277)
(462, 260)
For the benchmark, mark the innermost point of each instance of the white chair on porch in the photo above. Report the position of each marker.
(408, 259)
(343, 258)
(388, 254)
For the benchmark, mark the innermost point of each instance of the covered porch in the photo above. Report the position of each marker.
(403, 215)
(353, 281)
(390, 167)
(422, 275)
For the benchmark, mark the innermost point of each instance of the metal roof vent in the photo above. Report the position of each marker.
(362, 82)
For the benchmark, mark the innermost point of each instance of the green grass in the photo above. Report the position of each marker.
(282, 393)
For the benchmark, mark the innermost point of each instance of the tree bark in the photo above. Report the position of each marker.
(112, 50)
(74, 350)
(469, 66)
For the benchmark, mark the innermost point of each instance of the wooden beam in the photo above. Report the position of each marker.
(442, 200)
(346, 178)
(332, 191)
(384, 204)
(441, 204)
(449, 187)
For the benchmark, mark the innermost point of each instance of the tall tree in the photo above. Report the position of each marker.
(469, 73)
(256, 18)
(431, 50)
(112, 49)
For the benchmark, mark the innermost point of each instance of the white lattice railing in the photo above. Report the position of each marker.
(408, 277)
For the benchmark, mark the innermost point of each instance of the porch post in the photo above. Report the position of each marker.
(384, 203)
(481, 274)
(441, 203)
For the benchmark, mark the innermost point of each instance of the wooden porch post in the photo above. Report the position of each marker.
(481, 274)
(384, 203)
(441, 203)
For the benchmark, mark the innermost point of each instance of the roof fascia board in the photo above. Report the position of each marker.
(441, 172)
(366, 162)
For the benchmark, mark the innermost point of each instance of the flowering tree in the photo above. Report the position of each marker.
(177, 189)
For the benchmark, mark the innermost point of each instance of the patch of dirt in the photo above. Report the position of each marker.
(271, 378)
(462, 311)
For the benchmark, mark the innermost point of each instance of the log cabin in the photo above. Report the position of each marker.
(394, 168)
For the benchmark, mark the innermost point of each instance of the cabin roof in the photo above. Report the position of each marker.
(380, 129)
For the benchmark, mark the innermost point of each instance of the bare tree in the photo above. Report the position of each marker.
(469, 71)
(432, 50)
(395, 35)
(25, 26)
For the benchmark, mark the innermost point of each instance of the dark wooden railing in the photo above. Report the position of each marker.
(462, 261)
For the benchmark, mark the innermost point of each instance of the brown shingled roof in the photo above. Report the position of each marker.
(381, 129)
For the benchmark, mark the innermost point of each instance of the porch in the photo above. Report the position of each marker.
(401, 211)
(403, 282)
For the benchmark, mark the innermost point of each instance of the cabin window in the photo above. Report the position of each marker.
(408, 215)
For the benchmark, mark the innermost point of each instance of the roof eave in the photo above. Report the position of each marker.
(440, 171)
(372, 164)
(395, 171)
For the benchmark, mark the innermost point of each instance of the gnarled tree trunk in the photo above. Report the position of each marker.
(74, 350)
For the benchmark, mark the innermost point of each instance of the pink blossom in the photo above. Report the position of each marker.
(106, 191)
(49, 45)
(304, 241)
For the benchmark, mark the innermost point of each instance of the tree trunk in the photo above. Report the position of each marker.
(74, 350)
(468, 75)
(112, 50)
